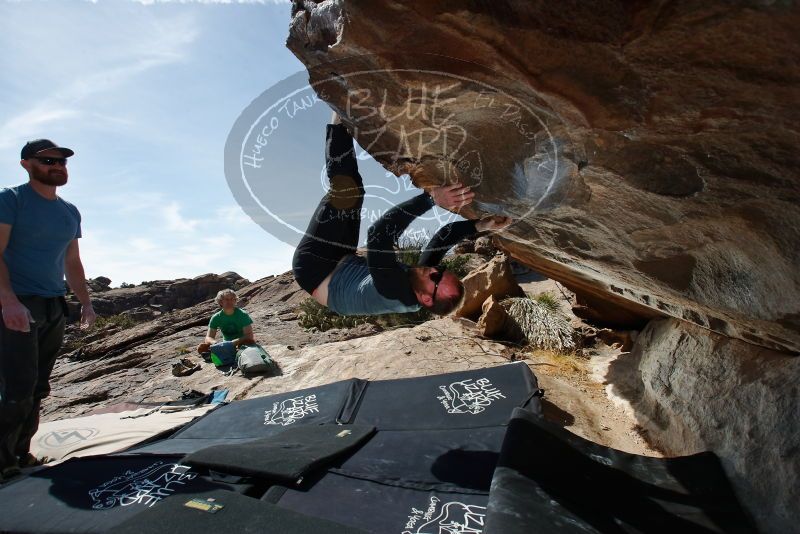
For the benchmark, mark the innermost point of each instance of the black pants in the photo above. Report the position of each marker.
(26, 361)
(332, 232)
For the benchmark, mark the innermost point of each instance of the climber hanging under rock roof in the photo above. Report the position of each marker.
(326, 265)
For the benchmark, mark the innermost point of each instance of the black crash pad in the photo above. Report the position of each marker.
(225, 511)
(550, 480)
(287, 456)
(93, 494)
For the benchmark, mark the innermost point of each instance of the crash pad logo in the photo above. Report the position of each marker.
(66, 437)
(146, 486)
(451, 517)
(469, 396)
(291, 410)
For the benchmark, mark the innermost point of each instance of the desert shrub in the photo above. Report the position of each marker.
(542, 325)
(125, 285)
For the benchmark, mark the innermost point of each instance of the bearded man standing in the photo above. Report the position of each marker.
(39, 234)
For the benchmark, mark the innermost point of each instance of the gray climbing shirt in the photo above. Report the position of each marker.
(352, 291)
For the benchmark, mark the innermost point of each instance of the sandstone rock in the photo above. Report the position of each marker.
(159, 295)
(464, 247)
(646, 150)
(495, 323)
(101, 283)
(494, 278)
(134, 364)
(698, 391)
(611, 314)
(141, 314)
(620, 338)
(520, 269)
(485, 246)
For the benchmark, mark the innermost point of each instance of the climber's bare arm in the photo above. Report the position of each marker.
(247, 337)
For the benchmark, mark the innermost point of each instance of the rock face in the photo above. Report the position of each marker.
(742, 404)
(495, 323)
(157, 296)
(648, 150)
(135, 364)
(101, 283)
(493, 279)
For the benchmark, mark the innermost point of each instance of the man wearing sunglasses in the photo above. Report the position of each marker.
(326, 264)
(39, 234)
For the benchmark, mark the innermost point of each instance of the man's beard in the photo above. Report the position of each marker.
(50, 177)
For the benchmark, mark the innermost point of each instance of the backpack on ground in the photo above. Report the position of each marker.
(253, 359)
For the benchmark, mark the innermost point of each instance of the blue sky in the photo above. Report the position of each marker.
(145, 93)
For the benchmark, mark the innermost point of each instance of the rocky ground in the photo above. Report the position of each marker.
(134, 363)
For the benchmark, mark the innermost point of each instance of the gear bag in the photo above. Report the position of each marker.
(253, 359)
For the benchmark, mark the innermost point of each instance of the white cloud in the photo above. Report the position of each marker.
(175, 221)
(27, 124)
(155, 44)
(124, 70)
(141, 244)
(106, 253)
(232, 215)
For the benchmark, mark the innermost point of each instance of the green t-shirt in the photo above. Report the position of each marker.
(231, 326)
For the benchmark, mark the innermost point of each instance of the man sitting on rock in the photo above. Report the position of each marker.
(325, 262)
(235, 324)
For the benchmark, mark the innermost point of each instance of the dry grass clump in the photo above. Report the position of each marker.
(542, 325)
(315, 315)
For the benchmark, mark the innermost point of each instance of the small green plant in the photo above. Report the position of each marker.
(548, 300)
(409, 250)
(542, 325)
(125, 285)
(457, 264)
(184, 350)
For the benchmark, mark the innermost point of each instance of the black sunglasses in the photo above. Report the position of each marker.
(436, 277)
(52, 161)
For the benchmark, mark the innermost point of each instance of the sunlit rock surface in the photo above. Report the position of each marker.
(696, 391)
(648, 150)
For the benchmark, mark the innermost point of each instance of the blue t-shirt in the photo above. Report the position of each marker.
(352, 291)
(41, 231)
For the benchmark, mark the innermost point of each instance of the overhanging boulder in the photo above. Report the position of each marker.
(647, 150)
